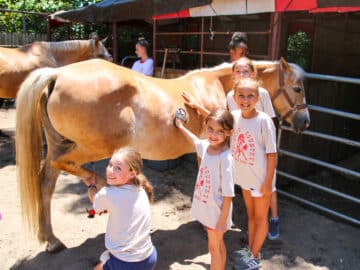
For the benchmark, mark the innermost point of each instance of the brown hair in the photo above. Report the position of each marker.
(223, 117)
(144, 43)
(247, 83)
(134, 160)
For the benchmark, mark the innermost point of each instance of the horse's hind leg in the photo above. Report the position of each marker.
(48, 178)
(69, 161)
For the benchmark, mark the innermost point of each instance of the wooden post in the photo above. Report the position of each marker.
(154, 43)
(202, 43)
(275, 35)
(115, 42)
(48, 29)
(164, 63)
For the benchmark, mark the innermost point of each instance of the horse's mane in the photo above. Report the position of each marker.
(68, 45)
(261, 64)
(220, 67)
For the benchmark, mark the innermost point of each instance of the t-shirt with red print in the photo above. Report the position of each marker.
(214, 181)
(251, 140)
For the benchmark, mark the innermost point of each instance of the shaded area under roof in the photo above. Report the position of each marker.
(123, 10)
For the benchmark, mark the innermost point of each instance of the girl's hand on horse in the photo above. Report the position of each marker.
(179, 123)
(190, 100)
(90, 181)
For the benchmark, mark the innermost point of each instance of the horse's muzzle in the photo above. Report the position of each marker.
(301, 121)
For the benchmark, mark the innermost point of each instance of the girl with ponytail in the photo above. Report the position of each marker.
(238, 46)
(127, 200)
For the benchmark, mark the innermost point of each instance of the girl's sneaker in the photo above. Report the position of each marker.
(237, 255)
(248, 263)
(274, 228)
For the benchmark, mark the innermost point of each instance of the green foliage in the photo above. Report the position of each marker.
(18, 22)
(299, 49)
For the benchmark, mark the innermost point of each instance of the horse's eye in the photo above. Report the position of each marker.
(297, 89)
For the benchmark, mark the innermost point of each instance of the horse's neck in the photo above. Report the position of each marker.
(67, 52)
(268, 73)
(222, 72)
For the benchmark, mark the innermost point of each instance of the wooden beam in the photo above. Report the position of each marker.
(275, 35)
(115, 42)
(202, 43)
(154, 43)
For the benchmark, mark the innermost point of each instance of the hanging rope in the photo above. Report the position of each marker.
(212, 33)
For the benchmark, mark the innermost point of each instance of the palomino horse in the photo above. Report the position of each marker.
(89, 109)
(17, 63)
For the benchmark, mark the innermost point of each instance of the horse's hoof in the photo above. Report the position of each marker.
(55, 247)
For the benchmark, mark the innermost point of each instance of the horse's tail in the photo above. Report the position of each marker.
(29, 145)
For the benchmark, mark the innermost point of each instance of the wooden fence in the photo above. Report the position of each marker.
(19, 39)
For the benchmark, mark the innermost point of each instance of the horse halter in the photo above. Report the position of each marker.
(294, 107)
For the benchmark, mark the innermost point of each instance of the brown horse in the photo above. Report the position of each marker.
(91, 108)
(17, 63)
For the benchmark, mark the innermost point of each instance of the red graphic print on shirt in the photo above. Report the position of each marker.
(244, 148)
(202, 187)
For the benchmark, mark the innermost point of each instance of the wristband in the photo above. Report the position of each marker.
(91, 186)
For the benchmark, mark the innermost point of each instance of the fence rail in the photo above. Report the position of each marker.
(13, 40)
(343, 170)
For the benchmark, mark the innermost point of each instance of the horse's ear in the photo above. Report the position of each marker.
(104, 40)
(284, 65)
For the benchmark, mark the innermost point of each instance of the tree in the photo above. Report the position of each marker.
(299, 49)
(19, 22)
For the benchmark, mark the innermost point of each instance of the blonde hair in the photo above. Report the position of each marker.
(134, 160)
(244, 61)
(247, 83)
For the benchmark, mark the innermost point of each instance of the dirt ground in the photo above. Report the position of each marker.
(308, 240)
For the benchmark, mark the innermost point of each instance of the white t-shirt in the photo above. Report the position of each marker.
(146, 68)
(251, 140)
(128, 229)
(214, 181)
(264, 103)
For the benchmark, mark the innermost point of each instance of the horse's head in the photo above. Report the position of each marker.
(289, 96)
(98, 49)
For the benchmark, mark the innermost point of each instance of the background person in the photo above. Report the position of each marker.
(145, 64)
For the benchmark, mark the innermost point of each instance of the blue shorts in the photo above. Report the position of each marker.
(116, 264)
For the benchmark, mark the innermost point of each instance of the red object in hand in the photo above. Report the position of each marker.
(91, 213)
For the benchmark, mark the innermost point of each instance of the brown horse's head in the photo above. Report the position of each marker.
(292, 89)
(285, 85)
(98, 49)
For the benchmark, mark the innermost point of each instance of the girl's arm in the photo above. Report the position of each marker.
(188, 134)
(92, 190)
(225, 209)
(191, 102)
(266, 187)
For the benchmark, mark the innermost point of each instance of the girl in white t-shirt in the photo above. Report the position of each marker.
(145, 64)
(214, 187)
(127, 200)
(253, 147)
(244, 68)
